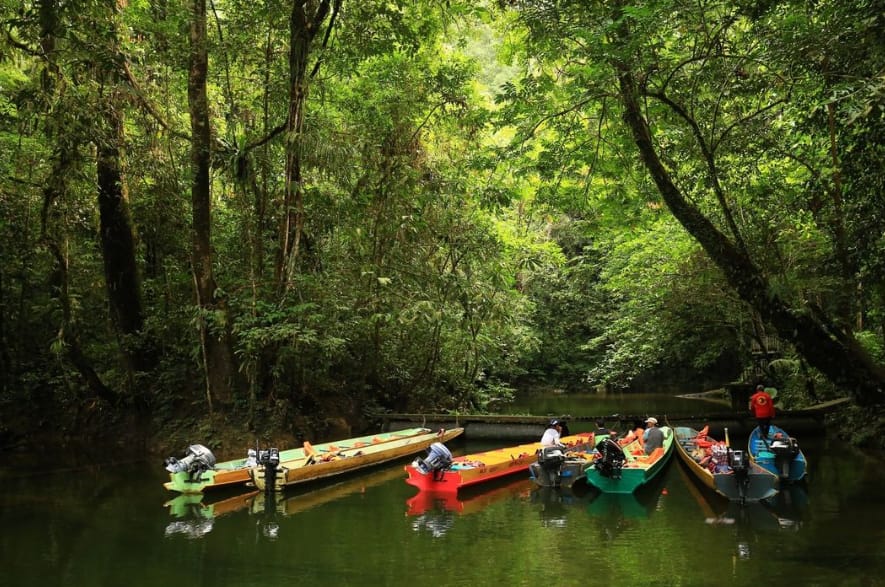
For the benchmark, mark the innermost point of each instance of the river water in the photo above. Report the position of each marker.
(117, 526)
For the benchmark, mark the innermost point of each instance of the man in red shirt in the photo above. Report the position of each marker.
(762, 407)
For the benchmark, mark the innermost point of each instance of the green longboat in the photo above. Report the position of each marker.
(623, 469)
(197, 471)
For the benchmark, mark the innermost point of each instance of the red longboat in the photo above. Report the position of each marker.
(480, 467)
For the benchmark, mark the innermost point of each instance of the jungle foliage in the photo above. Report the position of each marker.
(296, 215)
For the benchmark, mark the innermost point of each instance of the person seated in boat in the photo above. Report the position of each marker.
(653, 436)
(552, 434)
(762, 406)
(601, 431)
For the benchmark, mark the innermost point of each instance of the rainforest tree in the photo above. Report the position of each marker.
(717, 112)
(295, 215)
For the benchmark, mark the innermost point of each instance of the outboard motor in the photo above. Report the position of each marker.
(612, 459)
(785, 450)
(550, 459)
(438, 459)
(197, 460)
(737, 462)
(269, 459)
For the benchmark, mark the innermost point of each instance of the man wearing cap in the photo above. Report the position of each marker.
(551, 435)
(653, 436)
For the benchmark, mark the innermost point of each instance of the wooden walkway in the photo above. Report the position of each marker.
(523, 426)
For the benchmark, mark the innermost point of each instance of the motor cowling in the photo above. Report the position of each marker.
(785, 450)
(611, 459)
(551, 457)
(737, 461)
(269, 459)
(198, 459)
(785, 447)
(438, 459)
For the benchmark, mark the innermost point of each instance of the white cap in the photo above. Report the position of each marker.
(652, 421)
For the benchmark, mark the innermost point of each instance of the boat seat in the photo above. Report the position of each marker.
(652, 457)
(655, 454)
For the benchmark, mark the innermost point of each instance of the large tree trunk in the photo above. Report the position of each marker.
(835, 353)
(215, 343)
(118, 251)
(116, 231)
(68, 333)
(303, 27)
(52, 228)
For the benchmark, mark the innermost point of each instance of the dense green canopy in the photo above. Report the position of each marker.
(308, 212)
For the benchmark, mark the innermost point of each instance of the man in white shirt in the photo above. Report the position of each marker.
(653, 436)
(551, 435)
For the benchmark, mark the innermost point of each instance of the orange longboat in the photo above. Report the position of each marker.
(441, 473)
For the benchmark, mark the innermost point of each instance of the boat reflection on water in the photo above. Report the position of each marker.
(290, 503)
(270, 507)
(639, 504)
(435, 512)
(625, 504)
(195, 514)
(782, 512)
(554, 503)
(790, 506)
(620, 514)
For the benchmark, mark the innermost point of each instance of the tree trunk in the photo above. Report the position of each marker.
(303, 28)
(836, 354)
(5, 358)
(215, 342)
(68, 333)
(51, 237)
(115, 230)
(118, 252)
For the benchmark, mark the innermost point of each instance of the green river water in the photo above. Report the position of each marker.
(116, 526)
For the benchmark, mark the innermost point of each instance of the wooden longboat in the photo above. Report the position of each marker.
(738, 480)
(778, 452)
(337, 460)
(236, 472)
(468, 470)
(637, 468)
